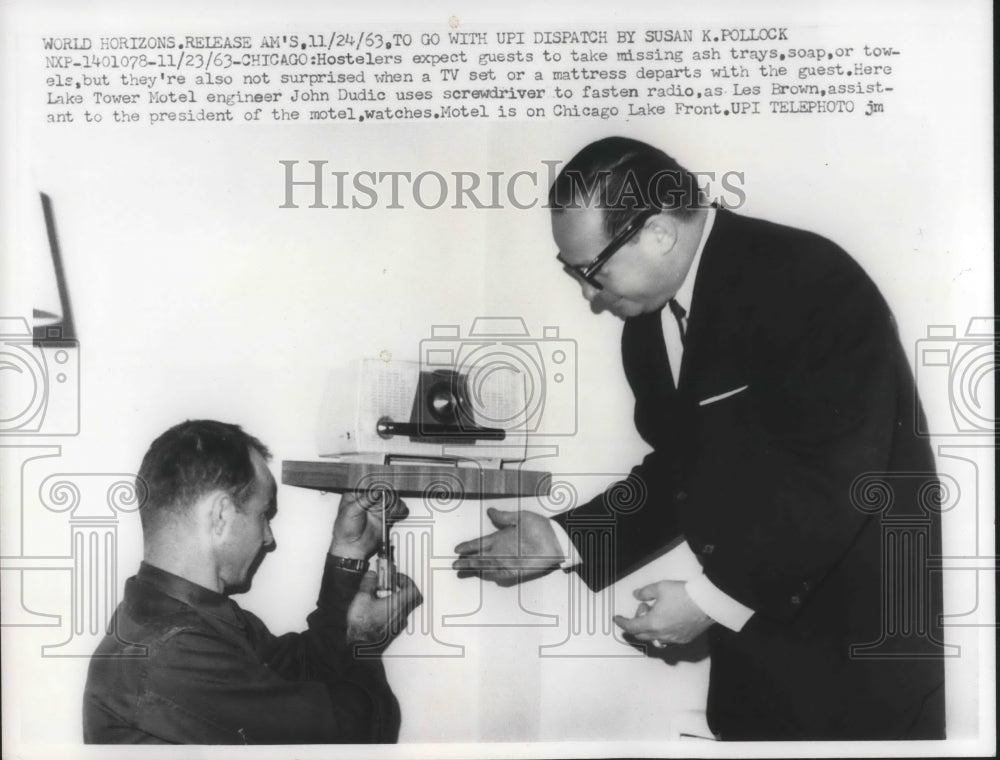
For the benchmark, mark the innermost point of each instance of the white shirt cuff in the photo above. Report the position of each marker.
(572, 556)
(710, 599)
(717, 604)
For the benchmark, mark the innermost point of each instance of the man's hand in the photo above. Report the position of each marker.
(666, 615)
(524, 547)
(371, 620)
(357, 530)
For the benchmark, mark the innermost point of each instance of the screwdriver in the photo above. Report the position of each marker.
(385, 569)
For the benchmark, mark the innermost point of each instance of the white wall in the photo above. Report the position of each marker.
(196, 295)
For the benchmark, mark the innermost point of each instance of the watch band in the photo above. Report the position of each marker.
(354, 565)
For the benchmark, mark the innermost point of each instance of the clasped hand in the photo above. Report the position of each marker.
(665, 615)
(523, 547)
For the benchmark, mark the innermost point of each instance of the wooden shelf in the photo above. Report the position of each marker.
(442, 481)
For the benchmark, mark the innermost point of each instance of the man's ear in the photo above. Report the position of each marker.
(220, 513)
(663, 228)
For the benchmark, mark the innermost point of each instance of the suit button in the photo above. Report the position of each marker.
(708, 549)
(681, 495)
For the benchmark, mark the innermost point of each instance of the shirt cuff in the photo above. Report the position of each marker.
(717, 604)
(338, 584)
(572, 556)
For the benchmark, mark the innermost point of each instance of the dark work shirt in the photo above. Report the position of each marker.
(183, 664)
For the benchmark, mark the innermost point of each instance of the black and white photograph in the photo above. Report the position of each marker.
(497, 380)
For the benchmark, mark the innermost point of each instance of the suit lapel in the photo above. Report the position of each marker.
(713, 351)
(645, 355)
(713, 303)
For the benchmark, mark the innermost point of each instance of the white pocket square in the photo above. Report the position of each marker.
(727, 394)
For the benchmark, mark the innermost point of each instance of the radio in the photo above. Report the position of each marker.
(382, 412)
(454, 423)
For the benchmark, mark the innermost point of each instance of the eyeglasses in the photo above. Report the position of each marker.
(587, 273)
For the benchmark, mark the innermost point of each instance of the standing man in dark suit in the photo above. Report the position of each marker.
(771, 384)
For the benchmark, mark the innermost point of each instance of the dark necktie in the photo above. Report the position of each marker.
(679, 313)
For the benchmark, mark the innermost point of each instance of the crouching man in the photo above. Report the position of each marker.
(182, 663)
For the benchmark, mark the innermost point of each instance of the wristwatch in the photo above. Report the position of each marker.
(354, 565)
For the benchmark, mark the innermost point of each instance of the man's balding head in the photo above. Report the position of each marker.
(622, 177)
(191, 460)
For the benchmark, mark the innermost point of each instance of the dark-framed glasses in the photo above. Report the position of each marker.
(587, 273)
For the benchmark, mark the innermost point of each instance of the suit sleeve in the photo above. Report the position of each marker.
(627, 525)
(309, 687)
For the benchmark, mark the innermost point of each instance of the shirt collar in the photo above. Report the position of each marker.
(686, 290)
(201, 598)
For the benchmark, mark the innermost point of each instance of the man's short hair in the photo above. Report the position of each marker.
(622, 177)
(192, 459)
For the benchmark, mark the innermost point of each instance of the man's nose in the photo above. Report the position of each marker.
(589, 291)
(268, 537)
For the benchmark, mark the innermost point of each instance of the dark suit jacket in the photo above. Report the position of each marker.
(805, 494)
(182, 664)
